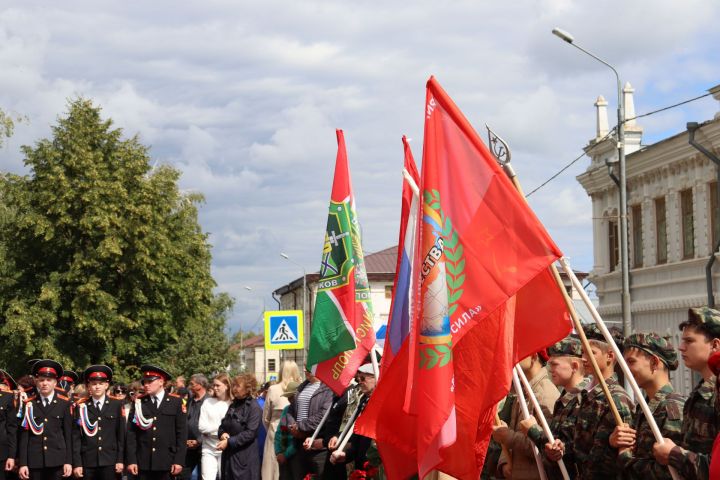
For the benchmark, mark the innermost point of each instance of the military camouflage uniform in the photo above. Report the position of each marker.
(699, 429)
(564, 417)
(594, 456)
(666, 407)
(562, 425)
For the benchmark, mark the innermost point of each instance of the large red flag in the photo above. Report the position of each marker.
(485, 300)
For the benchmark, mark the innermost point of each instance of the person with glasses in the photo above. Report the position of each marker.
(212, 412)
(157, 429)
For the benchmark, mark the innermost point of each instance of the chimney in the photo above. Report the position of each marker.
(601, 117)
(628, 92)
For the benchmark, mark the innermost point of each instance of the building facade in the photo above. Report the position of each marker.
(672, 224)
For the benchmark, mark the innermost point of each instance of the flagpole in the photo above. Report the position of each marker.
(541, 417)
(510, 172)
(526, 414)
(621, 360)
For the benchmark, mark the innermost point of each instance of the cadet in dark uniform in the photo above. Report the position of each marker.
(157, 429)
(8, 424)
(99, 430)
(45, 446)
(68, 381)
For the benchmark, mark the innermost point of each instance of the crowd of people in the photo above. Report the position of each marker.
(56, 424)
(588, 438)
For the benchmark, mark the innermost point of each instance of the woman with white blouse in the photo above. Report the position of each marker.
(275, 402)
(212, 412)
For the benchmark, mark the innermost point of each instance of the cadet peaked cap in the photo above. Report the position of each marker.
(70, 377)
(98, 372)
(47, 368)
(592, 332)
(153, 372)
(709, 316)
(8, 380)
(656, 345)
(569, 346)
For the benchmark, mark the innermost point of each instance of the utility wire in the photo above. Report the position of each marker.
(574, 161)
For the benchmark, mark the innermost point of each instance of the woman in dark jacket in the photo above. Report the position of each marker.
(238, 433)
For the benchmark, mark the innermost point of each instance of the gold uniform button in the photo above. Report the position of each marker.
(99, 439)
(99, 448)
(46, 420)
(45, 447)
(44, 438)
(153, 449)
(154, 428)
(99, 428)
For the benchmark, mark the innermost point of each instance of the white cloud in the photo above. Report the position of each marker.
(243, 97)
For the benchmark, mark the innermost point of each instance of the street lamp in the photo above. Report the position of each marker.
(624, 263)
(304, 301)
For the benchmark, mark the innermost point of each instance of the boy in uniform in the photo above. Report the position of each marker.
(99, 430)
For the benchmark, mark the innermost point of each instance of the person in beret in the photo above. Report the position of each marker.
(691, 455)
(650, 359)
(45, 445)
(157, 429)
(567, 373)
(8, 424)
(99, 430)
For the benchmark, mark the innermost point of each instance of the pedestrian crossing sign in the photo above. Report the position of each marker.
(284, 330)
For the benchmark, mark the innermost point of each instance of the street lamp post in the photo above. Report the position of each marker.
(624, 261)
(304, 301)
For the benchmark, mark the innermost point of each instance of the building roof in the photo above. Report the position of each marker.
(257, 340)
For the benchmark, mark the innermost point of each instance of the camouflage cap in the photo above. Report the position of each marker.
(592, 332)
(656, 345)
(569, 346)
(709, 316)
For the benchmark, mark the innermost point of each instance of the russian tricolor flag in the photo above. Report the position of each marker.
(398, 325)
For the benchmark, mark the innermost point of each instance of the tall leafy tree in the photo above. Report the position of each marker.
(104, 259)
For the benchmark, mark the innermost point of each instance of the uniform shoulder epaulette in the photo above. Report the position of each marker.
(63, 397)
(80, 400)
(59, 390)
(30, 399)
(113, 397)
(27, 389)
(175, 395)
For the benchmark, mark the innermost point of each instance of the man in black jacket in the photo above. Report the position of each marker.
(99, 430)
(45, 446)
(8, 424)
(157, 429)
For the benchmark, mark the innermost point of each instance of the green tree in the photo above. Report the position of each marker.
(104, 259)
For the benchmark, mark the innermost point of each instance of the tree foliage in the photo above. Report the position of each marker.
(102, 258)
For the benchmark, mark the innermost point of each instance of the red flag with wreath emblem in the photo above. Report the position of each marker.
(485, 300)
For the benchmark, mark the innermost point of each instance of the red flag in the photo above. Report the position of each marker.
(480, 276)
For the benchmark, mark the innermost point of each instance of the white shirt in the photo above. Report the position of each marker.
(212, 412)
(95, 402)
(49, 399)
(160, 395)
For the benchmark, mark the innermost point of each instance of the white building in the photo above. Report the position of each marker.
(253, 358)
(672, 205)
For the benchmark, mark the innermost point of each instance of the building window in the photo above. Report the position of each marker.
(613, 244)
(637, 236)
(271, 365)
(660, 231)
(388, 291)
(687, 221)
(714, 224)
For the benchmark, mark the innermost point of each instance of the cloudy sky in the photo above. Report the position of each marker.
(243, 97)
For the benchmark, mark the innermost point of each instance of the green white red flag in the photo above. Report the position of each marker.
(342, 325)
